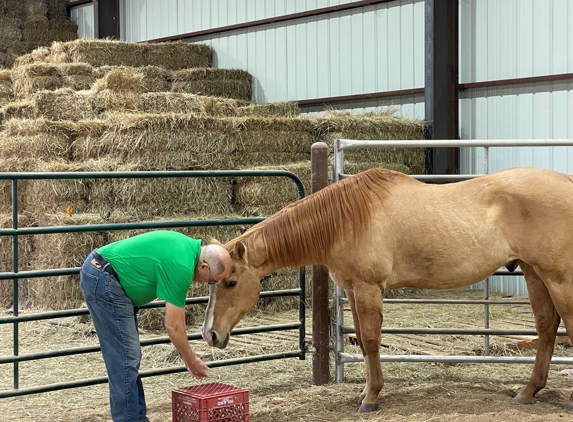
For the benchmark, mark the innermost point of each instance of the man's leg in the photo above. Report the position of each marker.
(113, 316)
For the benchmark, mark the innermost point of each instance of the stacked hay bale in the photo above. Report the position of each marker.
(146, 109)
(27, 25)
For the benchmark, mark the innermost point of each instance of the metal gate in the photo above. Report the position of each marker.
(339, 300)
(15, 275)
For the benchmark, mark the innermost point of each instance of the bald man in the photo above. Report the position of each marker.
(118, 278)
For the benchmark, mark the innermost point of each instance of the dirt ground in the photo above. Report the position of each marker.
(282, 391)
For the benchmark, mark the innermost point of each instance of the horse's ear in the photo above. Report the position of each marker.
(213, 241)
(239, 252)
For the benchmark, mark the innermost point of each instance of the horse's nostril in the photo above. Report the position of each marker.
(214, 336)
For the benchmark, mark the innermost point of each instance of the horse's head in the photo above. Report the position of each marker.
(231, 298)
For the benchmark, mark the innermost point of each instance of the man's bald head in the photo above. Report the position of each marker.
(218, 259)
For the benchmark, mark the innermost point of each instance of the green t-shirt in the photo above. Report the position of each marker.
(158, 264)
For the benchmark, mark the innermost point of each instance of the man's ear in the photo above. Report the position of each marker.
(213, 241)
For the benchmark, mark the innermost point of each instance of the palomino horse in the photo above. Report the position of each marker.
(382, 230)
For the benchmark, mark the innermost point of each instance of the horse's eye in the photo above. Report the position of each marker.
(231, 283)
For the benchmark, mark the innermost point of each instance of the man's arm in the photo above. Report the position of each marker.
(175, 326)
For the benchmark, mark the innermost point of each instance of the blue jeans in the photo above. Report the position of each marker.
(115, 321)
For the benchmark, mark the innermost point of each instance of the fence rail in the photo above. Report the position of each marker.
(16, 319)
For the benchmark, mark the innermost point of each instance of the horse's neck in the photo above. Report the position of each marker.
(295, 258)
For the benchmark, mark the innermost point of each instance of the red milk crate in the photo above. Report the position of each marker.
(213, 402)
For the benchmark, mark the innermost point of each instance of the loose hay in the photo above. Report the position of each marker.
(63, 250)
(228, 83)
(159, 142)
(10, 29)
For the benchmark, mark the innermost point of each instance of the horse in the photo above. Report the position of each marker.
(381, 230)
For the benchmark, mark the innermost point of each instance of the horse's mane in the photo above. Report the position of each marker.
(310, 226)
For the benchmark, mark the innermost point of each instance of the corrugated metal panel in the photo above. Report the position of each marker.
(502, 39)
(84, 18)
(329, 56)
(157, 19)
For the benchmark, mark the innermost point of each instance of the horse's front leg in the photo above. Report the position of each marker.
(366, 304)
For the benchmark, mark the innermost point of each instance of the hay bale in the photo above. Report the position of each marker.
(41, 32)
(13, 9)
(118, 90)
(175, 102)
(31, 78)
(6, 90)
(77, 76)
(18, 110)
(280, 109)
(56, 9)
(374, 126)
(351, 167)
(264, 196)
(228, 83)
(64, 104)
(159, 142)
(63, 250)
(178, 55)
(37, 139)
(167, 196)
(55, 195)
(14, 164)
(39, 55)
(25, 252)
(36, 10)
(10, 29)
(273, 141)
(107, 52)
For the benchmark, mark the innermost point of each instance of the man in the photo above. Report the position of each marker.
(118, 278)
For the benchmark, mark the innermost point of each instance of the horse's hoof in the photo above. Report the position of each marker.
(360, 398)
(568, 407)
(522, 399)
(364, 407)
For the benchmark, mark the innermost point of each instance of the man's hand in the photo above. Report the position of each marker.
(197, 368)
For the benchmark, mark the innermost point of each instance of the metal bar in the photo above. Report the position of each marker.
(320, 315)
(15, 281)
(445, 143)
(145, 374)
(361, 97)
(276, 19)
(148, 174)
(76, 3)
(155, 304)
(454, 331)
(146, 342)
(450, 302)
(486, 288)
(517, 81)
(347, 358)
(128, 226)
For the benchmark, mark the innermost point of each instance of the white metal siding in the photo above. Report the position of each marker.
(505, 39)
(370, 49)
(84, 17)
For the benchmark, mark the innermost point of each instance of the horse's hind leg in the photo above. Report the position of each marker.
(560, 287)
(367, 315)
(546, 321)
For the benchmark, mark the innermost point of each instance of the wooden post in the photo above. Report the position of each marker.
(320, 314)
